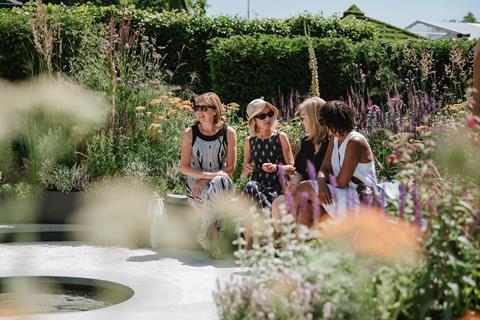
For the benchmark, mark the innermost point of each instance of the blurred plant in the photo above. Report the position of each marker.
(137, 171)
(329, 279)
(60, 177)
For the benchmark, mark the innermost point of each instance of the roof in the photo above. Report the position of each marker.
(383, 29)
(470, 30)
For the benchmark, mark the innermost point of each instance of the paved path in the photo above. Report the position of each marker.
(168, 283)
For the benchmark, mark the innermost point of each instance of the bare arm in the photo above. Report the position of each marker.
(231, 150)
(286, 149)
(247, 166)
(356, 150)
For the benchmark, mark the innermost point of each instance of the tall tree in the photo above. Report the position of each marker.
(470, 17)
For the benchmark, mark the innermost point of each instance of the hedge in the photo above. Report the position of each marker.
(178, 32)
(245, 67)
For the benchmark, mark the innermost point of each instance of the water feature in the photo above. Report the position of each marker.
(47, 294)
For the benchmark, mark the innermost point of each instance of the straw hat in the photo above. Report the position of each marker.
(254, 108)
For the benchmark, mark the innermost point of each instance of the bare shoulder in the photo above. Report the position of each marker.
(357, 143)
(283, 137)
(187, 133)
(231, 131)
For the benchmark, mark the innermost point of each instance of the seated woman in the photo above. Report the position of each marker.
(311, 153)
(348, 159)
(264, 151)
(208, 157)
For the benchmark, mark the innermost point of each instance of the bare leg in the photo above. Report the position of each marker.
(276, 214)
(215, 252)
(306, 204)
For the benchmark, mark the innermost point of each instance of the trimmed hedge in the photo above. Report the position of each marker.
(245, 67)
(179, 32)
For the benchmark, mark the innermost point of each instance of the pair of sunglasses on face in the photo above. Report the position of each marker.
(202, 108)
(262, 116)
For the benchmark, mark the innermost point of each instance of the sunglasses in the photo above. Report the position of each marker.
(202, 108)
(262, 116)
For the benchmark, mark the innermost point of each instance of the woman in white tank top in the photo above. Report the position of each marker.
(348, 155)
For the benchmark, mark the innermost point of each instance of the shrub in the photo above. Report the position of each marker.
(244, 67)
(184, 35)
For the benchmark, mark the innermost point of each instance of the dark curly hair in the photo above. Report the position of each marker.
(337, 116)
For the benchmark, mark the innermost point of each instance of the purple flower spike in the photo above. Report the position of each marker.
(417, 206)
(304, 201)
(402, 201)
(282, 177)
(312, 174)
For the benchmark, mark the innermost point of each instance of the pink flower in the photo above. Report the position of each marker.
(473, 122)
(140, 108)
(391, 159)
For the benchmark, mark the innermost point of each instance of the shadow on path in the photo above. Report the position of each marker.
(187, 257)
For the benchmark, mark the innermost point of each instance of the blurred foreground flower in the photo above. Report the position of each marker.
(116, 213)
(57, 96)
(370, 232)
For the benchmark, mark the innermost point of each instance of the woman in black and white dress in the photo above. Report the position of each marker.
(208, 157)
(265, 151)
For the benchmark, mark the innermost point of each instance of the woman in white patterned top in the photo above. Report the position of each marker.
(208, 157)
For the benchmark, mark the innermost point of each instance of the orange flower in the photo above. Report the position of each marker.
(140, 108)
(370, 232)
(156, 101)
(159, 118)
(175, 100)
(471, 315)
(187, 103)
(171, 112)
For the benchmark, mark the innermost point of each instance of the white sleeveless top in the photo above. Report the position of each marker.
(365, 172)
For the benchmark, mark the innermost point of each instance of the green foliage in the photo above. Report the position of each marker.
(243, 67)
(18, 56)
(470, 18)
(447, 286)
(184, 35)
(100, 154)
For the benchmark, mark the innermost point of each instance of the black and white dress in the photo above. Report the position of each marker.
(209, 155)
(264, 187)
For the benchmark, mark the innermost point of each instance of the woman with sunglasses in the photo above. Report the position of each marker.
(265, 150)
(310, 156)
(208, 157)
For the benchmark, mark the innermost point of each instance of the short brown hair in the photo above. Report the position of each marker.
(338, 116)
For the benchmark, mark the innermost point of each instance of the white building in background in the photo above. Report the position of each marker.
(445, 30)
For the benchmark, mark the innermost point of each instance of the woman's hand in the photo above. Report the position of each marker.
(324, 194)
(219, 173)
(269, 167)
(198, 187)
(289, 169)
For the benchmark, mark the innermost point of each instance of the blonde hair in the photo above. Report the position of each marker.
(253, 127)
(212, 99)
(312, 106)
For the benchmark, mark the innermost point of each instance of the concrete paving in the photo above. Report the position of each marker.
(168, 283)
